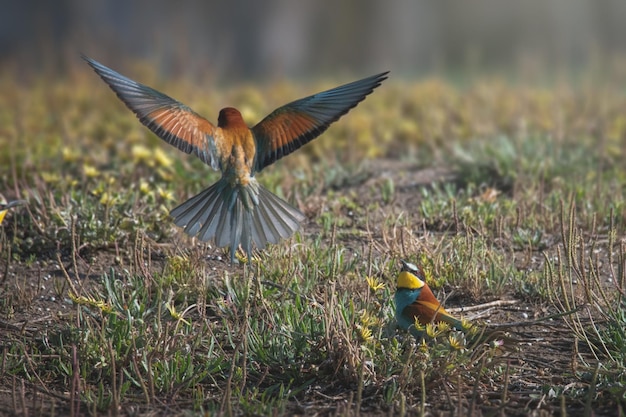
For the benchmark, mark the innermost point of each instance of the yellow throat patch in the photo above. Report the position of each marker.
(409, 280)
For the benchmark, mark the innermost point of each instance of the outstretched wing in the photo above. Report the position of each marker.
(295, 124)
(169, 119)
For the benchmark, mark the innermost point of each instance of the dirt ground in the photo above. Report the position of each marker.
(547, 357)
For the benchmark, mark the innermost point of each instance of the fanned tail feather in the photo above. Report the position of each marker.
(233, 216)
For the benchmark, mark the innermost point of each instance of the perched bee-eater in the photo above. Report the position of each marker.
(4, 206)
(236, 210)
(416, 302)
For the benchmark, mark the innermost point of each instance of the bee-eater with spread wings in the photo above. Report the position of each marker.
(236, 210)
(415, 301)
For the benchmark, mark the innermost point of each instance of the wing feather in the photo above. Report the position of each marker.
(169, 119)
(295, 124)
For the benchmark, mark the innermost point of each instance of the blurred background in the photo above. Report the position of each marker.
(240, 39)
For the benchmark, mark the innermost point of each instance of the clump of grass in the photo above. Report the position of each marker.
(574, 284)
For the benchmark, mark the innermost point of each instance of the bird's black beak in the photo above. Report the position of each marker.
(12, 204)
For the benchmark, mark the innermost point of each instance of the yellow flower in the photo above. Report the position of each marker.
(365, 333)
(423, 347)
(107, 199)
(50, 177)
(141, 154)
(162, 158)
(144, 187)
(374, 284)
(456, 340)
(443, 327)
(164, 194)
(431, 330)
(90, 171)
(471, 329)
(419, 326)
(175, 314)
(466, 324)
(367, 319)
(69, 154)
(163, 173)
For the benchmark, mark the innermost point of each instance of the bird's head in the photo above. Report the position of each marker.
(4, 206)
(410, 277)
(11, 204)
(229, 117)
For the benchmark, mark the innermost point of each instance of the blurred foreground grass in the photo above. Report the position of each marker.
(501, 193)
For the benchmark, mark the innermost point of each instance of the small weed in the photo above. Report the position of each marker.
(387, 190)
